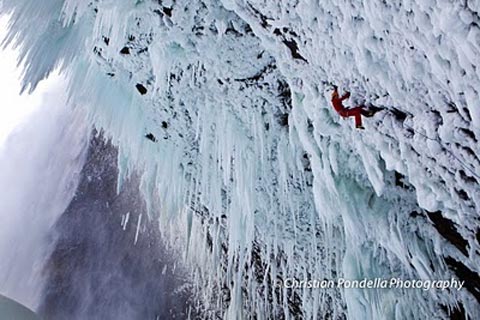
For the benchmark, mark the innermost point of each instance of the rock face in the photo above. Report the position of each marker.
(265, 178)
(108, 261)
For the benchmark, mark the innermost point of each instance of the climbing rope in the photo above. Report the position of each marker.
(467, 167)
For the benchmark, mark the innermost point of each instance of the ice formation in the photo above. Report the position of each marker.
(257, 179)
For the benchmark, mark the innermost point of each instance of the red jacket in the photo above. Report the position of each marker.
(337, 101)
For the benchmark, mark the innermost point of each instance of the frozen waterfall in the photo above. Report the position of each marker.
(251, 177)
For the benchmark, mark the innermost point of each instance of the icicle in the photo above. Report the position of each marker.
(139, 221)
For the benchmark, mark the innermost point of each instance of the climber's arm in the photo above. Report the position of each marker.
(345, 96)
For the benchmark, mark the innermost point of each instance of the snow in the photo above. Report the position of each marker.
(303, 196)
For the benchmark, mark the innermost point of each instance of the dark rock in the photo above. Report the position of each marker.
(469, 134)
(151, 137)
(400, 180)
(471, 278)
(399, 115)
(456, 313)
(167, 11)
(448, 230)
(292, 45)
(125, 50)
(283, 120)
(462, 194)
(141, 89)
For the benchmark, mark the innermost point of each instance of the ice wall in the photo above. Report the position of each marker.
(267, 181)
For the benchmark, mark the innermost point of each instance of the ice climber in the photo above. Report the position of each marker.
(356, 112)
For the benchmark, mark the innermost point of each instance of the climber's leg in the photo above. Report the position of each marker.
(355, 112)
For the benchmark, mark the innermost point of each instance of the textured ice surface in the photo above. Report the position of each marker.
(257, 178)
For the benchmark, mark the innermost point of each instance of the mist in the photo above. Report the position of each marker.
(40, 163)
